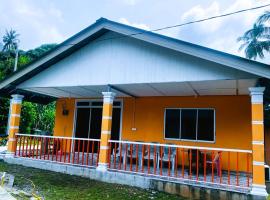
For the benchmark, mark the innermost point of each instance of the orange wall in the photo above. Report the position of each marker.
(233, 122)
(233, 119)
(146, 114)
(64, 123)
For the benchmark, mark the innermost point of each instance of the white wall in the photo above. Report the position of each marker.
(126, 60)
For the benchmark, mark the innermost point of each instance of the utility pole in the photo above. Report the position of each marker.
(16, 54)
(16, 58)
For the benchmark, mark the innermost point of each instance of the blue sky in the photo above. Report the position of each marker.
(51, 21)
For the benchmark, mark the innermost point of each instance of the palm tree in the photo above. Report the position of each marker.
(11, 43)
(255, 41)
(10, 40)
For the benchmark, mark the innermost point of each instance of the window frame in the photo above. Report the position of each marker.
(189, 140)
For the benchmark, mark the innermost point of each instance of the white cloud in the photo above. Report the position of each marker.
(198, 12)
(221, 33)
(138, 25)
(38, 22)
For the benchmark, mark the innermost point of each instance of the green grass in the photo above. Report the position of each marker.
(57, 186)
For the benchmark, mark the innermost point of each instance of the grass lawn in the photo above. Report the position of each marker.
(56, 186)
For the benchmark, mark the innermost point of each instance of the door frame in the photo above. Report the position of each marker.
(96, 100)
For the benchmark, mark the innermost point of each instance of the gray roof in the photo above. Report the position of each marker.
(101, 26)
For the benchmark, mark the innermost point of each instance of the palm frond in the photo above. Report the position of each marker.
(263, 18)
(242, 46)
(10, 40)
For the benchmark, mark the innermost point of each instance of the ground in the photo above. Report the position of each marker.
(52, 186)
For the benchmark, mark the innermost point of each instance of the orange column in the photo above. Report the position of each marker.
(108, 98)
(257, 117)
(14, 121)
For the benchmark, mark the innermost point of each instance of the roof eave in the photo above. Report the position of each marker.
(90, 33)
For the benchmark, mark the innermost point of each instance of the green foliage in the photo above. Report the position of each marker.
(3, 140)
(34, 116)
(29, 117)
(23, 60)
(4, 110)
(39, 51)
(51, 186)
(6, 67)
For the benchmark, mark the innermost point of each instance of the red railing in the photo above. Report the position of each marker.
(225, 167)
(219, 166)
(75, 151)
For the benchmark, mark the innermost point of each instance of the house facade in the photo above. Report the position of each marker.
(132, 101)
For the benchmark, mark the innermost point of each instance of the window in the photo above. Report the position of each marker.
(205, 130)
(190, 124)
(82, 103)
(96, 103)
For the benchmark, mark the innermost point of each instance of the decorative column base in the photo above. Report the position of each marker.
(258, 190)
(9, 154)
(102, 167)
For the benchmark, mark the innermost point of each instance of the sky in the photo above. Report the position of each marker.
(53, 21)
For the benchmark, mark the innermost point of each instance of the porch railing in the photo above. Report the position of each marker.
(225, 167)
(69, 150)
(213, 166)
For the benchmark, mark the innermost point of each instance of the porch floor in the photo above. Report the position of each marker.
(233, 181)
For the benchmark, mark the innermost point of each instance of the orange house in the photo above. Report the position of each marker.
(130, 101)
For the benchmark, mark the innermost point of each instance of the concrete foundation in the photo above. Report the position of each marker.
(187, 190)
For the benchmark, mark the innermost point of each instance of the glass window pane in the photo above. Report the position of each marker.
(206, 125)
(97, 103)
(188, 124)
(82, 103)
(117, 103)
(172, 123)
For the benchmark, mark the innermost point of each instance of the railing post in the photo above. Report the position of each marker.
(258, 185)
(108, 98)
(14, 121)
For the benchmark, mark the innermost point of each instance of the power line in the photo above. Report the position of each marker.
(184, 24)
(213, 17)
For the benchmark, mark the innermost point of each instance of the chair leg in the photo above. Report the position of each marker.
(140, 161)
(173, 165)
(158, 163)
(218, 168)
(124, 160)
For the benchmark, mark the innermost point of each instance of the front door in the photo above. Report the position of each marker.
(89, 119)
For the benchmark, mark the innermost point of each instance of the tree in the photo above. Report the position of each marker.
(33, 116)
(39, 51)
(256, 40)
(10, 40)
(4, 110)
(37, 117)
